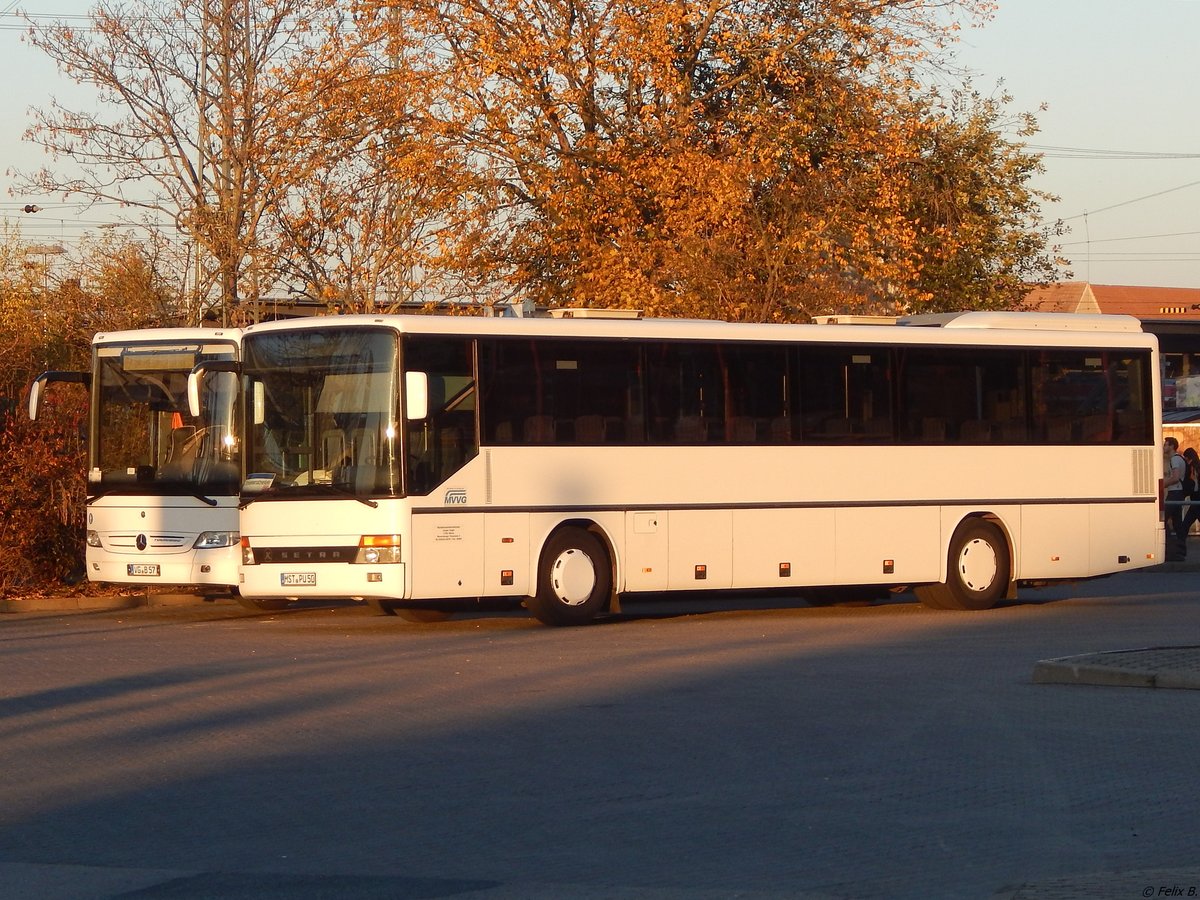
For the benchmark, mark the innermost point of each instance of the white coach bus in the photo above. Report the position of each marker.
(162, 485)
(418, 462)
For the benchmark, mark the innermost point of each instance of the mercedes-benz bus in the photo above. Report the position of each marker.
(162, 484)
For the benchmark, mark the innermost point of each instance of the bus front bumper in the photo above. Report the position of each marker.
(339, 581)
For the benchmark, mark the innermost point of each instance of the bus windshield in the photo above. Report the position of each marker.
(143, 437)
(322, 411)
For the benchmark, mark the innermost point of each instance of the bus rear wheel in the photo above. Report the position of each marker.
(978, 569)
(574, 579)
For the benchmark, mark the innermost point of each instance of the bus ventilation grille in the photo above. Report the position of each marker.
(1143, 472)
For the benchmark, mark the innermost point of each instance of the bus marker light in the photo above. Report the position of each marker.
(701, 573)
(506, 540)
(374, 577)
(506, 576)
(785, 570)
(1056, 559)
(889, 567)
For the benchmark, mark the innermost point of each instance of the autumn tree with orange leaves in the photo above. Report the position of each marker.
(734, 160)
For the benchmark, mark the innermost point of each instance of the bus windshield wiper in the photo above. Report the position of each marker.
(257, 495)
(337, 488)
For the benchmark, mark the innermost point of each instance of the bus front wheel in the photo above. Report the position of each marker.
(574, 579)
(977, 572)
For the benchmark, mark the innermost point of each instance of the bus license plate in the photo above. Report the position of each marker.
(298, 579)
(142, 569)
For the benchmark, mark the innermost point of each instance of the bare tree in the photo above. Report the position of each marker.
(194, 120)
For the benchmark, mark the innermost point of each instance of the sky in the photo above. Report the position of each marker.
(1120, 130)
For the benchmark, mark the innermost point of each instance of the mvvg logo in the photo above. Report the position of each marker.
(456, 497)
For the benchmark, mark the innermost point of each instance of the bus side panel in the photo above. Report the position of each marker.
(645, 561)
(1113, 540)
(783, 547)
(700, 550)
(509, 570)
(904, 539)
(448, 556)
(1055, 541)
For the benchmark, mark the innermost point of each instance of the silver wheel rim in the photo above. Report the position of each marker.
(573, 577)
(978, 565)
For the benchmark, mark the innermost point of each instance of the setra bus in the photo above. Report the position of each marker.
(422, 462)
(162, 485)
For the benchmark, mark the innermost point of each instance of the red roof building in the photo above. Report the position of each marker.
(1147, 303)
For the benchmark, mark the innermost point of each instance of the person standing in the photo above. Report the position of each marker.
(1191, 491)
(1174, 471)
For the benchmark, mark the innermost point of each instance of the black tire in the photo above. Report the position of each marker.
(977, 571)
(574, 579)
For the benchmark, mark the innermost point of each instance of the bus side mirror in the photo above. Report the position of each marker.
(196, 376)
(35, 389)
(416, 395)
(260, 404)
(35, 396)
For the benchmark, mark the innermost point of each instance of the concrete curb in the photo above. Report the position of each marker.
(101, 602)
(1161, 667)
(70, 604)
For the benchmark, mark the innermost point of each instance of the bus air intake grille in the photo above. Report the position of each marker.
(153, 541)
(1144, 481)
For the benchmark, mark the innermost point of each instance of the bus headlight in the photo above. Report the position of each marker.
(93, 538)
(378, 549)
(213, 540)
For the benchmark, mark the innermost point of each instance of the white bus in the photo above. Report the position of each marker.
(162, 485)
(422, 462)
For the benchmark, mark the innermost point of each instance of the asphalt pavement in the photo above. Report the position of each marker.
(1176, 666)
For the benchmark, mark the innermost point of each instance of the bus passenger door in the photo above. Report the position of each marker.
(646, 551)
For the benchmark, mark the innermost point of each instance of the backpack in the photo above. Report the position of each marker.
(1188, 485)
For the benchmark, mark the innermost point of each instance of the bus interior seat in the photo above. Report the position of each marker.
(743, 430)
(539, 430)
(1060, 431)
(1096, 429)
(933, 428)
(1014, 430)
(182, 452)
(590, 429)
(781, 430)
(878, 426)
(975, 431)
(690, 429)
(837, 428)
(450, 448)
(333, 450)
(364, 445)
